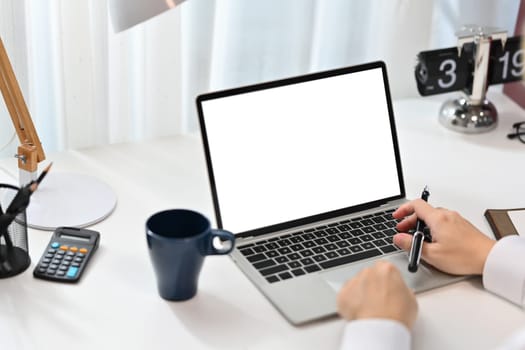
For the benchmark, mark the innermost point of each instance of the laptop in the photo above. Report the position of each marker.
(306, 172)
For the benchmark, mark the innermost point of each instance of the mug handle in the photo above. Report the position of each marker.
(223, 235)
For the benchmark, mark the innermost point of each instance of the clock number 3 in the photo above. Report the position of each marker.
(449, 68)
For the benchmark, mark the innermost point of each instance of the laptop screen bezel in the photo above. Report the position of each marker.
(289, 81)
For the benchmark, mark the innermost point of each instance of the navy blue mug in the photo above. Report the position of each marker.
(178, 240)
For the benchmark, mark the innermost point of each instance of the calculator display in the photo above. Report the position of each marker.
(84, 239)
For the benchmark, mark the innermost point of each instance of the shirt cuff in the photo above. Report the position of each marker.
(376, 334)
(504, 270)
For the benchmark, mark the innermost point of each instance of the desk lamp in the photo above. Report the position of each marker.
(64, 199)
(128, 13)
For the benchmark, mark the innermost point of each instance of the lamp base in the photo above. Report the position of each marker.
(73, 200)
(463, 116)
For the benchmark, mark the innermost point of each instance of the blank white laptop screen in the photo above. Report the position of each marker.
(289, 152)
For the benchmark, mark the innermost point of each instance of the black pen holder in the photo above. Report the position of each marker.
(14, 255)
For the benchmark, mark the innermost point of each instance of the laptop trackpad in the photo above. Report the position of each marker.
(421, 280)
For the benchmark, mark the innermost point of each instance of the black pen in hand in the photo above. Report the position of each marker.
(417, 239)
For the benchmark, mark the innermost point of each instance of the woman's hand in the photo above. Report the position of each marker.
(457, 246)
(378, 292)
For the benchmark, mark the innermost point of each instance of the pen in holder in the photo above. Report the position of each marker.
(14, 256)
(474, 113)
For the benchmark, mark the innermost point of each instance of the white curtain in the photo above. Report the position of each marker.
(86, 85)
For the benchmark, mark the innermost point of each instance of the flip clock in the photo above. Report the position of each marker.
(484, 56)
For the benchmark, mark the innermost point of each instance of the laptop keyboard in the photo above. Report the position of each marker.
(323, 247)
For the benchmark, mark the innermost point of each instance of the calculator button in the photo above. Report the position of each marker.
(51, 251)
(75, 264)
(46, 260)
(61, 273)
(62, 268)
(49, 255)
(68, 258)
(78, 260)
(51, 271)
(44, 265)
(70, 254)
(73, 249)
(72, 272)
(42, 269)
(56, 262)
(64, 247)
(80, 255)
(53, 266)
(55, 245)
(60, 253)
(66, 263)
(83, 251)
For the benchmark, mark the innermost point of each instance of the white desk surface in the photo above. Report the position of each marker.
(116, 304)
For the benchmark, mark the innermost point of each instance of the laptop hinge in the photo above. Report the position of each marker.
(239, 241)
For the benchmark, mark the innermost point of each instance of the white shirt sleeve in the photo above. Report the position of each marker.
(375, 334)
(504, 270)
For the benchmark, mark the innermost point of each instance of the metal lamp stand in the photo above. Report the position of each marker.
(473, 113)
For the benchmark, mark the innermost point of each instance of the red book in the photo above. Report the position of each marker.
(516, 90)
